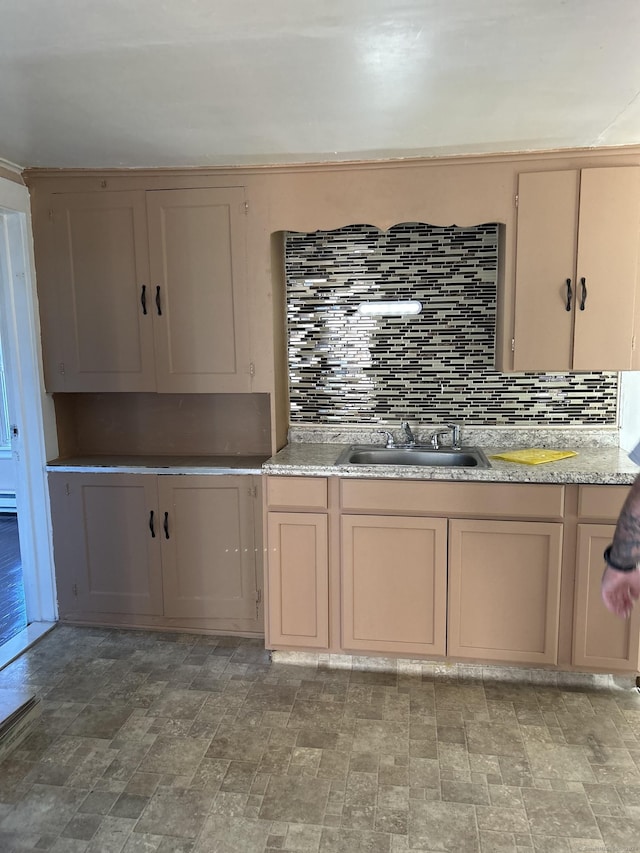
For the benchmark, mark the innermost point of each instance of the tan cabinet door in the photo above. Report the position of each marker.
(545, 261)
(394, 584)
(576, 269)
(607, 268)
(106, 555)
(298, 568)
(208, 550)
(600, 639)
(197, 249)
(100, 265)
(504, 590)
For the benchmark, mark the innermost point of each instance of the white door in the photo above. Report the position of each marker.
(31, 411)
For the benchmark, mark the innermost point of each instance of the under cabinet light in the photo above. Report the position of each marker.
(396, 309)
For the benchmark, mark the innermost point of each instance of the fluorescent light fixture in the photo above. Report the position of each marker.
(395, 309)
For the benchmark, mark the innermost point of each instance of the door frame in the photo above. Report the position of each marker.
(31, 410)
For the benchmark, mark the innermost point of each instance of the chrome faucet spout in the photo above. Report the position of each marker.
(456, 431)
(409, 436)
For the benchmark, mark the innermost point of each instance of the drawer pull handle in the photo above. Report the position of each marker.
(166, 525)
(143, 298)
(158, 304)
(151, 527)
(583, 283)
(569, 294)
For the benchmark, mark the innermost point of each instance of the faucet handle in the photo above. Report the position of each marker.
(389, 436)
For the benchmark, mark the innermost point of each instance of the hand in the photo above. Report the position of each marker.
(620, 591)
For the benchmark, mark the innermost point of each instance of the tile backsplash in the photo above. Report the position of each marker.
(348, 368)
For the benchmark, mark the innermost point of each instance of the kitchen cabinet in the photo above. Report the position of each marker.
(297, 562)
(106, 559)
(146, 290)
(469, 570)
(600, 639)
(497, 545)
(576, 278)
(176, 548)
(504, 590)
(394, 584)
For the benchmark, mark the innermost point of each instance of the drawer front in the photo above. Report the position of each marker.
(298, 493)
(601, 503)
(487, 500)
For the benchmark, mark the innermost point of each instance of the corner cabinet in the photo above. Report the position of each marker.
(576, 279)
(146, 291)
(156, 550)
(600, 639)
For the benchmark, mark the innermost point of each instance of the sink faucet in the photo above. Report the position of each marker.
(456, 430)
(409, 436)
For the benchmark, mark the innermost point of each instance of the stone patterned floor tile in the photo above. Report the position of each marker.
(179, 743)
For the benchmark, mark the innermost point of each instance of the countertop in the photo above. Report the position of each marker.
(159, 464)
(597, 465)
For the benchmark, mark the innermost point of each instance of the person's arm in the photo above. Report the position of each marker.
(621, 589)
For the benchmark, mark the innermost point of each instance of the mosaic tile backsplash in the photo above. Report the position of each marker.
(348, 368)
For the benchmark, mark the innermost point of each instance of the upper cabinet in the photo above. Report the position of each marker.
(577, 269)
(146, 291)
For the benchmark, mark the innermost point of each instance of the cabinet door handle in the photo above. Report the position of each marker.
(151, 527)
(569, 294)
(583, 284)
(166, 525)
(158, 304)
(143, 298)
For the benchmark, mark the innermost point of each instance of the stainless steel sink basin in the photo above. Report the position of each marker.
(444, 457)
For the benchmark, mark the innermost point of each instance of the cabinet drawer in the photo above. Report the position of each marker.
(602, 503)
(503, 500)
(297, 492)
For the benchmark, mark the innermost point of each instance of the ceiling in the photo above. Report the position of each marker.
(150, 83)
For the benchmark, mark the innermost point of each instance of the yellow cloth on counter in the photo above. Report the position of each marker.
(534, 455)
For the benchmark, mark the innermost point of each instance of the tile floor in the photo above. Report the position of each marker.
(186, 744)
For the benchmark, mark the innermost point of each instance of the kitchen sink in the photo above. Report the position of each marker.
(443, 457)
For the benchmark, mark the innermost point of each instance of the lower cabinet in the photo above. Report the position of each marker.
(156, 549)
(297, 536)
(472, 571)
(504, 590)
(600, 640)
(298, 579)
(394, 584)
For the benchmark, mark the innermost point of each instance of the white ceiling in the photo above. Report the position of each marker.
(90, 83)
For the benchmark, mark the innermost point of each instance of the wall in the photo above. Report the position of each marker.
(438, 365)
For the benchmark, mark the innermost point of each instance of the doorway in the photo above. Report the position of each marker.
(32, 430)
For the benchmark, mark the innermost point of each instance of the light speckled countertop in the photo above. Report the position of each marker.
(597, 465)
(599, 460)
(158, 464)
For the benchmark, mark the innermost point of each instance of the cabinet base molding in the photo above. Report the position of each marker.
(150, 623)
(448, 670)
